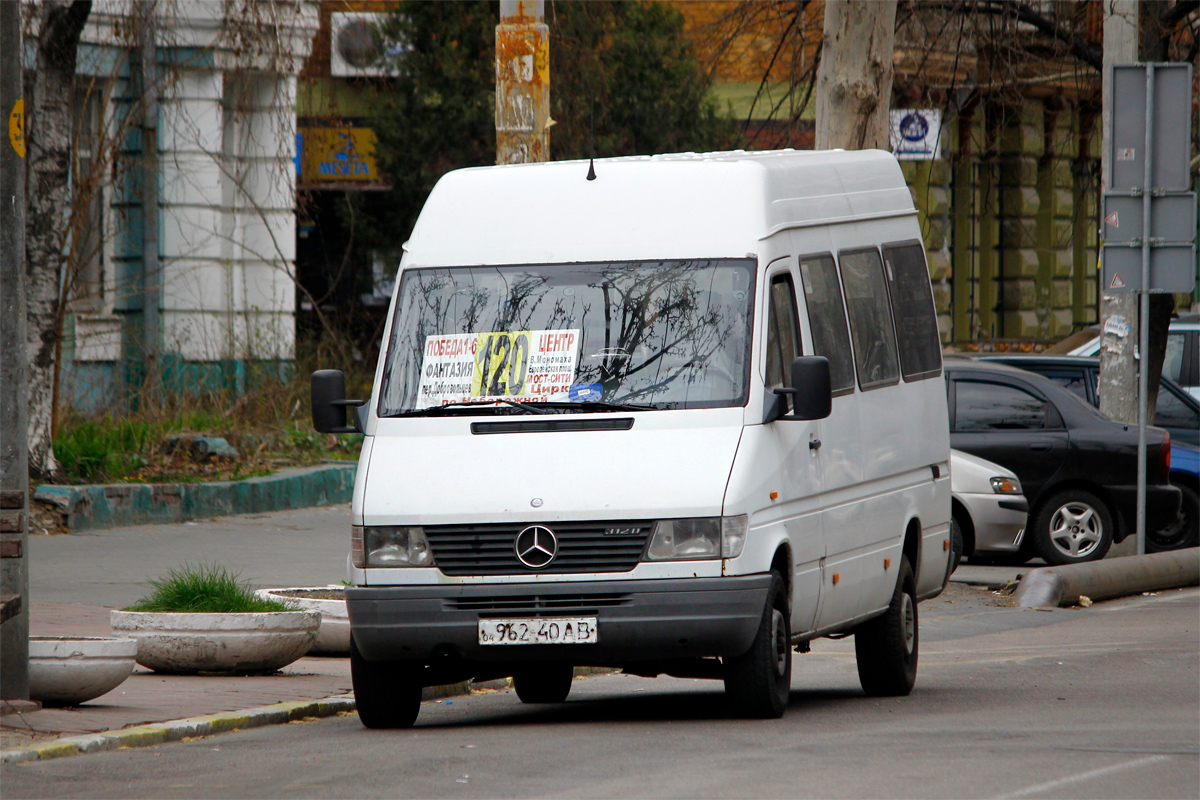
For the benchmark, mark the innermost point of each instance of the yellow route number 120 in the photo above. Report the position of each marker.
(501, 364)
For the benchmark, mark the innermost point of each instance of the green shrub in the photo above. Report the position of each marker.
(205, 588)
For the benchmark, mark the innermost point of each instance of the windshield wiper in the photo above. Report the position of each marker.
(528, 408)
(595, 405)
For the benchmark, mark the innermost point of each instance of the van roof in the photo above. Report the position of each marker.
(677, 206)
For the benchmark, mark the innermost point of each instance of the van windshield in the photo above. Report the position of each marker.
(566, 337)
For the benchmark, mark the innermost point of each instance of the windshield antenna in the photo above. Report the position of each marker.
(591, 176)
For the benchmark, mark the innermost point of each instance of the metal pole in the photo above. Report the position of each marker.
(522, 83)
(1144, 315)
(14, 428)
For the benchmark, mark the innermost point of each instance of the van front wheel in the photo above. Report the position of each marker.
(759, 682)
(387, 694)
(886, 646)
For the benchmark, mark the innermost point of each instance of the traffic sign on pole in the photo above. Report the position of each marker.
(1169, 233)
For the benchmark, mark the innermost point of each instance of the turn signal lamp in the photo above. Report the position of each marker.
(1006, 486)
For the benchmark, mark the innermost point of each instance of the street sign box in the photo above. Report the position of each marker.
(1172, 268)
(1170, 116)
(1172, 218)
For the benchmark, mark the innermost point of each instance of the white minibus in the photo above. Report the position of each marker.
(681, 418)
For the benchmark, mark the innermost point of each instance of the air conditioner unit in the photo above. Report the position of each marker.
(357, 47)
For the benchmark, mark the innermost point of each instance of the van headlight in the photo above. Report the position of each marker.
(389, 546)
(706, 537)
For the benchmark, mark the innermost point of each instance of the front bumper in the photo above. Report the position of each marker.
(1162, 507)
(998, 520)
(644, 620)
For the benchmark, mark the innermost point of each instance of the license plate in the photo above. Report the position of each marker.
(553, 630)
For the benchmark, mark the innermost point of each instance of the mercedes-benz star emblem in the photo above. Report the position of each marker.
(536, 546)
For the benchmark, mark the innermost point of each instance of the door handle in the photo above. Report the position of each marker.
(1041, 448)
(814, 444)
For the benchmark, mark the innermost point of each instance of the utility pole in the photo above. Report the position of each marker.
(1118, 312)
(14, 430)
(522, 83)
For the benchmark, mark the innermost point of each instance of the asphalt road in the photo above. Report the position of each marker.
(1100, 702)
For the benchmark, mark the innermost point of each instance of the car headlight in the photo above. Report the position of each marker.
(1006, 486)
(389, 546)
(706, 537)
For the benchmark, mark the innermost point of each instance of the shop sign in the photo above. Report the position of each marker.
(337, 155)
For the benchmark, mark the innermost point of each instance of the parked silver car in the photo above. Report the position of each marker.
(988, 509)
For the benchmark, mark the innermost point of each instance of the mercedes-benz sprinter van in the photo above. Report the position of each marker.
(681, 418)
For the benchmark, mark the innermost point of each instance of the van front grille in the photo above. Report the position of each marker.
(606, 546)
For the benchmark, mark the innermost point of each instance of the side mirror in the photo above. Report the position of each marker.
(329, 403)
(812, 397)
(810, 380)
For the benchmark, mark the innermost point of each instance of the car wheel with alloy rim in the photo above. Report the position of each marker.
(1072, 527)
(1184, 531)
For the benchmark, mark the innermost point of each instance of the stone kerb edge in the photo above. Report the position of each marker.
(177, 730)
(112, 505)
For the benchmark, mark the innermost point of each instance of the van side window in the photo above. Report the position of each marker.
(783, 335)
(870, 318)
(912, 306)
(827, 318)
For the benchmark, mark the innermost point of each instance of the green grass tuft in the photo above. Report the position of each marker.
(207, 588)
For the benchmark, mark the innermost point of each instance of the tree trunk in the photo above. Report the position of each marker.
(47, 221)
(854, 81)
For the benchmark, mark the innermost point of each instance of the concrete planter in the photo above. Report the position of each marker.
(333, 639)
(67, 671)
(235, 643)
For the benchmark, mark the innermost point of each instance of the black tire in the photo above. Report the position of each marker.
(956, 547)
(1184, 531)
(387, 694)
(886, 647)
(758, 683)
(1073, 526)
(544, 683)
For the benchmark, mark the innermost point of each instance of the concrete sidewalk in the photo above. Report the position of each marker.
(77, 579)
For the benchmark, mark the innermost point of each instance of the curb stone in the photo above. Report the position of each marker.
(97, 506)
(176, 730)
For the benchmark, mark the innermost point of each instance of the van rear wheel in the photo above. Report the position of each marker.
(886, 647)
(544, 683)
(759, 682)
(387, 693)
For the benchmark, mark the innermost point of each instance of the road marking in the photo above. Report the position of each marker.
(1084, 776)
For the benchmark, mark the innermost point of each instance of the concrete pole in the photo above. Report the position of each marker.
(14, 428)
(1118, 312)
(522, 83)
(1118, 382)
